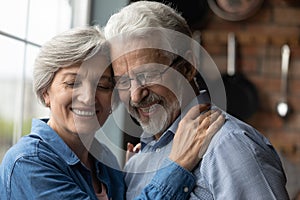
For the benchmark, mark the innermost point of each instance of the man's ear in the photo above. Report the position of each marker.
(189, 67)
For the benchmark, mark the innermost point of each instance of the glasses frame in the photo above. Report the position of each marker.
(143, 81)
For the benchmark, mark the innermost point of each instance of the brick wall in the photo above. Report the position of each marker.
(260, 39)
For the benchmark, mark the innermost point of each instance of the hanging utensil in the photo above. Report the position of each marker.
(283, 108)
(242, 98)
(199, 79)
(235, 10)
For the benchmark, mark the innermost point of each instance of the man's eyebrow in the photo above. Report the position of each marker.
(70, 73)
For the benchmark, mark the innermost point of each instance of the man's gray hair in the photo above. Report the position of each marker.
(143, 14)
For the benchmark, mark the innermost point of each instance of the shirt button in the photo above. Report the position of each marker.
(185, 189)
(157, 150)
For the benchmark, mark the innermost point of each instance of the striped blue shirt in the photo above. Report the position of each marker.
(240, 163)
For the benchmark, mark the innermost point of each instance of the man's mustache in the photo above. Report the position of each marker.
(152, 97)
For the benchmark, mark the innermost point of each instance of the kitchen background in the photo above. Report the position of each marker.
(259, 38)
(259, 41)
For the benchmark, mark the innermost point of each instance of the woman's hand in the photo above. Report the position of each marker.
(194, 134)
(131, 150)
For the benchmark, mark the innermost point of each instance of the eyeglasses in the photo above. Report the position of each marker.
(143, 78)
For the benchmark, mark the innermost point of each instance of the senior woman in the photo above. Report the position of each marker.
(73, 78)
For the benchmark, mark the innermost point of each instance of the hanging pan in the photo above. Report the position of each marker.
(234, 10)
(242, 98)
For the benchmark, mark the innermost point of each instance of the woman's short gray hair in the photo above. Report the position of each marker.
(69, 48)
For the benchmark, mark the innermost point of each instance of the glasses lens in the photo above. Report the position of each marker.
(122, 82)
(152, 77)
(143, 78)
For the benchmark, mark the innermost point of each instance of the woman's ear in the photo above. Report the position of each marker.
(46, 98)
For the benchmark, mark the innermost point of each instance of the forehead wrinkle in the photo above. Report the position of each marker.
(132, 61)
(149, 56)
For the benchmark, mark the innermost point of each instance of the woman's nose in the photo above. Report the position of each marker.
(87, 94)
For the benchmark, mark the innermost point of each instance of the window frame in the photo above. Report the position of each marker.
(80, 16)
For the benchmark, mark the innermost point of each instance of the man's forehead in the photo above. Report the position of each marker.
(124, 44)
(140, 61)
(145, 56)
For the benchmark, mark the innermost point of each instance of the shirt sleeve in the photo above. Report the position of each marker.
(32, 178)
(170, 182)
(243, 167)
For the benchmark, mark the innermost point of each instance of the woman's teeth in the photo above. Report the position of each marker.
(83, 113)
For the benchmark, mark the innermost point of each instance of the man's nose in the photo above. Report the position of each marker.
(138, 91)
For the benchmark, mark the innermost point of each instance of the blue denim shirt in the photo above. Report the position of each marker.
(42, 166)
(240, 163)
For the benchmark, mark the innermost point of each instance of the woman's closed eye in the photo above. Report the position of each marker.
(105, 83)
(72, 84)
(104, 86)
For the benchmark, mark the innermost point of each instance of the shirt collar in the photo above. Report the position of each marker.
(41, 129)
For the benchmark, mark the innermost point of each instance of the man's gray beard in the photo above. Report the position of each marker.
(156, 124)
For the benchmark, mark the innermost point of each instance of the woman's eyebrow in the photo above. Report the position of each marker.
(70, 73)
